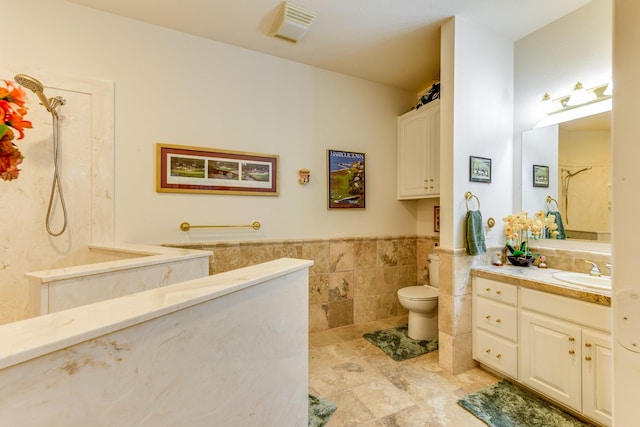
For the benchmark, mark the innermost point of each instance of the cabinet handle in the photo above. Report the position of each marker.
(572, 339)
(499, 321)
(499, 292)
(588, 358)
(572, 352)
(498, 356)
(587, 344)
(488, 289)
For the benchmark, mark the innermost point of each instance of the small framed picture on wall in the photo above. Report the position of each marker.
(540, 176)
(479, 169)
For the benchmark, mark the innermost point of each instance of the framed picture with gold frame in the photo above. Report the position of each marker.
(185, 169)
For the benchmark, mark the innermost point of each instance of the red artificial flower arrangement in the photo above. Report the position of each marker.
(12, 112)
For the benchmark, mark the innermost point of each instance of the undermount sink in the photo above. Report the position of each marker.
(582, 279)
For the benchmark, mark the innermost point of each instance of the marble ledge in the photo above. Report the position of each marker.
(541, 279)
(141, 256)
(34, 337)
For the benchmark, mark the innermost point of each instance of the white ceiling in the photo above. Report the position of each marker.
(394, 42)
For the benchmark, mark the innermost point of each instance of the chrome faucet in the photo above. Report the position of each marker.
(595, 271)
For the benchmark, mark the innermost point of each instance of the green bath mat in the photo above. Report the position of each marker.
(319, 411)
(506, 405)
(397, 344)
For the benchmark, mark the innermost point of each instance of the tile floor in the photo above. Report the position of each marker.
(372, 390)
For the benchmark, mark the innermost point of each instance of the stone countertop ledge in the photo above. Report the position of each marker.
(541, 279)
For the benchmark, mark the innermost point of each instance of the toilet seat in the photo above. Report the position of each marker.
(419, 293)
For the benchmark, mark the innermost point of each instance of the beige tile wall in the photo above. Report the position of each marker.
(352, 280)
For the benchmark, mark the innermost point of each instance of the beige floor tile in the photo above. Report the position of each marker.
(357, 372)
(347, 333)
(322, 339)
(372, 390)
(349, 410)
(413, 416)
(382, 398)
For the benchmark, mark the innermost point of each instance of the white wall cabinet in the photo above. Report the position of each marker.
(419, 153)
(562, 345)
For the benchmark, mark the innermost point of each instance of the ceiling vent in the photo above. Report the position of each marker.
(292, 22)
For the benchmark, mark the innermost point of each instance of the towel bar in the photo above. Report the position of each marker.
(468, 196)
(185, 226)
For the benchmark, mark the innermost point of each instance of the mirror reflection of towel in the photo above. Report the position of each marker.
(562, 235)
(475, 233)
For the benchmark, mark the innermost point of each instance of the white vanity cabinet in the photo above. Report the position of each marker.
(495, 325)
(565, 352)
(556, 345)
(419, 153)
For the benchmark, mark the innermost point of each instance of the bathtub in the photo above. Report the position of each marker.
(229, 349)
(113, 270)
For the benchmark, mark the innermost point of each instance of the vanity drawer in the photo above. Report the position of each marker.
(496, 291)
(495, 317)
(496, 353)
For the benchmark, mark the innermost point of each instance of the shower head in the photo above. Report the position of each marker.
(35, 86)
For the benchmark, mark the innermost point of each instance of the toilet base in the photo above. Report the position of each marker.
(423, 326)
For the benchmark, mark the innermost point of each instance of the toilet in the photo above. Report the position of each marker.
(422, 303)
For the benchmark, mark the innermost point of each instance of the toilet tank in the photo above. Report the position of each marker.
(434, 270)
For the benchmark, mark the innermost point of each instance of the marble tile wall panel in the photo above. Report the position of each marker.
(238, 360)
(352, 280)
(74, 292)
(87, 180)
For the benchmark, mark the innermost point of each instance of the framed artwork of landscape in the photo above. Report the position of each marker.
(184, 169)
(540, 176)
(346, 180)
(479, 169)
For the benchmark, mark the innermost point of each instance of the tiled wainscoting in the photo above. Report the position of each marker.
(352, 280)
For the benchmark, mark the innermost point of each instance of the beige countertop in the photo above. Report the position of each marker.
(541, 279)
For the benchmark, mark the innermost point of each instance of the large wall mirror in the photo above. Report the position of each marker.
(577, 154)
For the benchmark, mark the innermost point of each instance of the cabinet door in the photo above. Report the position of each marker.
(597, 371)
(433, 165)
(419, 153)
(550, 358)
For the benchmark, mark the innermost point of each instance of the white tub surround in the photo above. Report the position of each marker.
(116, 270)
(228, 349)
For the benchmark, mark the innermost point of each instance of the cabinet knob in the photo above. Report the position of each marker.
(572, 339)
(588, 358)
(499, 321)
(587, 344)
(488, 289)
(499, 292)
(488, 317)
(488, 351)
(572, 352)
(498, 356)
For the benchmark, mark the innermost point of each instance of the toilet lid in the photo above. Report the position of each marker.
(419, 292)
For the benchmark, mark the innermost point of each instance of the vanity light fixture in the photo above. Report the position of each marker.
(609, 89)
(548, 104)
(578, 98)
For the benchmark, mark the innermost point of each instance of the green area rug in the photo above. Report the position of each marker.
(319, 411)
(506, 405)
(397, 344)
